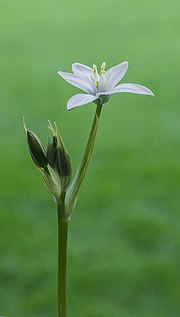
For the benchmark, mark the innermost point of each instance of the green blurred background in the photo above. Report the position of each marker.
(124, 257)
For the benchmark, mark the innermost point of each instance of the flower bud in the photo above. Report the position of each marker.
(36, 149)
(58, 158)
(52, 152)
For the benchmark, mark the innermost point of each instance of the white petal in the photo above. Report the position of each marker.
(133, 88)
(102, 83)
(80, 100)
(86, 74)
(115, 74)
(78, 69)
(76, 81)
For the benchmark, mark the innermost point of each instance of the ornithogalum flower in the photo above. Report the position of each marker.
(99, 86)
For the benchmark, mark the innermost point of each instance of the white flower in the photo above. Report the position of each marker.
(99, 87)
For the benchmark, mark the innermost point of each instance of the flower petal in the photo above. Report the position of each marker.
(102, 83)
(80, 100)
(115, 74)
(86, 74)
(133, 88)
(76, 81)
(78, 69)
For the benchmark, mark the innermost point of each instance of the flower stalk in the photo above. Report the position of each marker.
(62, 257)
(64, 214)
(73, 190)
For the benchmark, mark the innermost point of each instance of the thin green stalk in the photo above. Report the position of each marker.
(62, 257)
(75, 186)
(63, 218)
(89, 147)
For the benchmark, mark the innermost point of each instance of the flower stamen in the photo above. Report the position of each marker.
(95, 71)
(103, 66)
(96, 75)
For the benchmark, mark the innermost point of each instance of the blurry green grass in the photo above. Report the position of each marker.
(124, 236)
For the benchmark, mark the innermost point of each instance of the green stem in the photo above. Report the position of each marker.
(63, 217)
(75, 186)
(89, 146)
(90, 143)
(62, 256)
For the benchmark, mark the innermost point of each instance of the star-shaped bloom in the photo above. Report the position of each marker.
(99, 86)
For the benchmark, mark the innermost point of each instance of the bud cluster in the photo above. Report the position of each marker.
(54, 162)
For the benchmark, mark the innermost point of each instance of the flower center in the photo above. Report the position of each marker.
(96, 74)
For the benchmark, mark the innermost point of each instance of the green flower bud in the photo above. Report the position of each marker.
(58, 158)
(36, 149)
(52, 152)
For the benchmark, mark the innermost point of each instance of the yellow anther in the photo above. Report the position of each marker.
(103, 66)
(95, 70)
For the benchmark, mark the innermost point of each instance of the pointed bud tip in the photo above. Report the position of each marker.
(24, 124)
